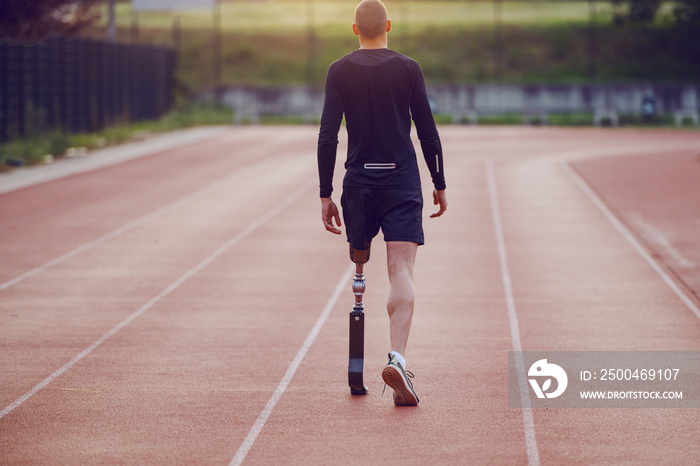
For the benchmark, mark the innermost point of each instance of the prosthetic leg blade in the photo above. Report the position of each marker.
(357, 353)
(357, 323)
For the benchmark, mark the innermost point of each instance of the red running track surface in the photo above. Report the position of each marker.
(188, 306)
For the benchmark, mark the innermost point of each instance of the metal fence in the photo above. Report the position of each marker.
(468, 103)
(81, 85)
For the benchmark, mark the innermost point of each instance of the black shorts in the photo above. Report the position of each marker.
(398, 212)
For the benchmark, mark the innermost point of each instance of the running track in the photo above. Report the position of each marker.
(187, 307)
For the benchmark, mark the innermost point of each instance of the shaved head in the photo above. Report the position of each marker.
(371, 17)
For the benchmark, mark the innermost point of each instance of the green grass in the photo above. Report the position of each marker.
(34, 149)
(532, 55)
(335, 16)
(267, 43)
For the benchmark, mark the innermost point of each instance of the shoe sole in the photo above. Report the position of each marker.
(403, 396)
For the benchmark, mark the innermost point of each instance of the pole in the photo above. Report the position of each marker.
(111, 22)
(406, 37)
(216, 49)
(497, 40)
(311, 24)
(135, 28)
(591, 40)
(177, 39)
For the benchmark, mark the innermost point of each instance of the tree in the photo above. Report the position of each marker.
(687, 12)
(34, 19)
(638, 11)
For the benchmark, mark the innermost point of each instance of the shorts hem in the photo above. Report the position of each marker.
(419, 242)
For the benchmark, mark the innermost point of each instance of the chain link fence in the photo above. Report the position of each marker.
(81, 85)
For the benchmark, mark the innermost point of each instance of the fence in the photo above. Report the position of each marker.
(463, 102)
(81, 85)
(604, 102)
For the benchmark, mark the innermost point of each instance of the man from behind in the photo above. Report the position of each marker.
(379, 92)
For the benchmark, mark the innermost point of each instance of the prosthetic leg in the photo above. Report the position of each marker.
(357, 324)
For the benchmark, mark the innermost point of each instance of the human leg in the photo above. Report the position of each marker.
(399, 213)
(401, 257)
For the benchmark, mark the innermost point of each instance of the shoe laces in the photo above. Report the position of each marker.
(409, 376)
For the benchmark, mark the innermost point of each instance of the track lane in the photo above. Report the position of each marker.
(115, 366)
(656, 195)
(122, 274)
(460, 338)
(203, 362)
(334, 433)
(53, 219)
(580, 286)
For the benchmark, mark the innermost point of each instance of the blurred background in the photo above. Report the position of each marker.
(70, 67)
(281, 42)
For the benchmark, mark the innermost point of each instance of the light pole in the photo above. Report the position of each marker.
(591, 40)
(497, 40)
(406, 37)
(311, 24)
(111, 21)
(216, 49)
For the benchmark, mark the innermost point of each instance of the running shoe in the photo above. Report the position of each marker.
(398, 379)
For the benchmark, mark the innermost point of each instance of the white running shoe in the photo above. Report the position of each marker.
(397, 378)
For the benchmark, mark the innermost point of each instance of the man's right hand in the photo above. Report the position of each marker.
(329, 211)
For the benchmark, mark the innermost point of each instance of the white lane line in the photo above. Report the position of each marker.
(173, 286)
(291, 370)
(533, 455)
(660, 239)
(133, 224)
(629, 237)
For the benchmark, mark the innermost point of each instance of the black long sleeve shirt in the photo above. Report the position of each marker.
(379, 91)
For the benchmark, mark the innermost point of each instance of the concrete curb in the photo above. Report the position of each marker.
(29, 176)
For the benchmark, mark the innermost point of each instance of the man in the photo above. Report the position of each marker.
(379, 91)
